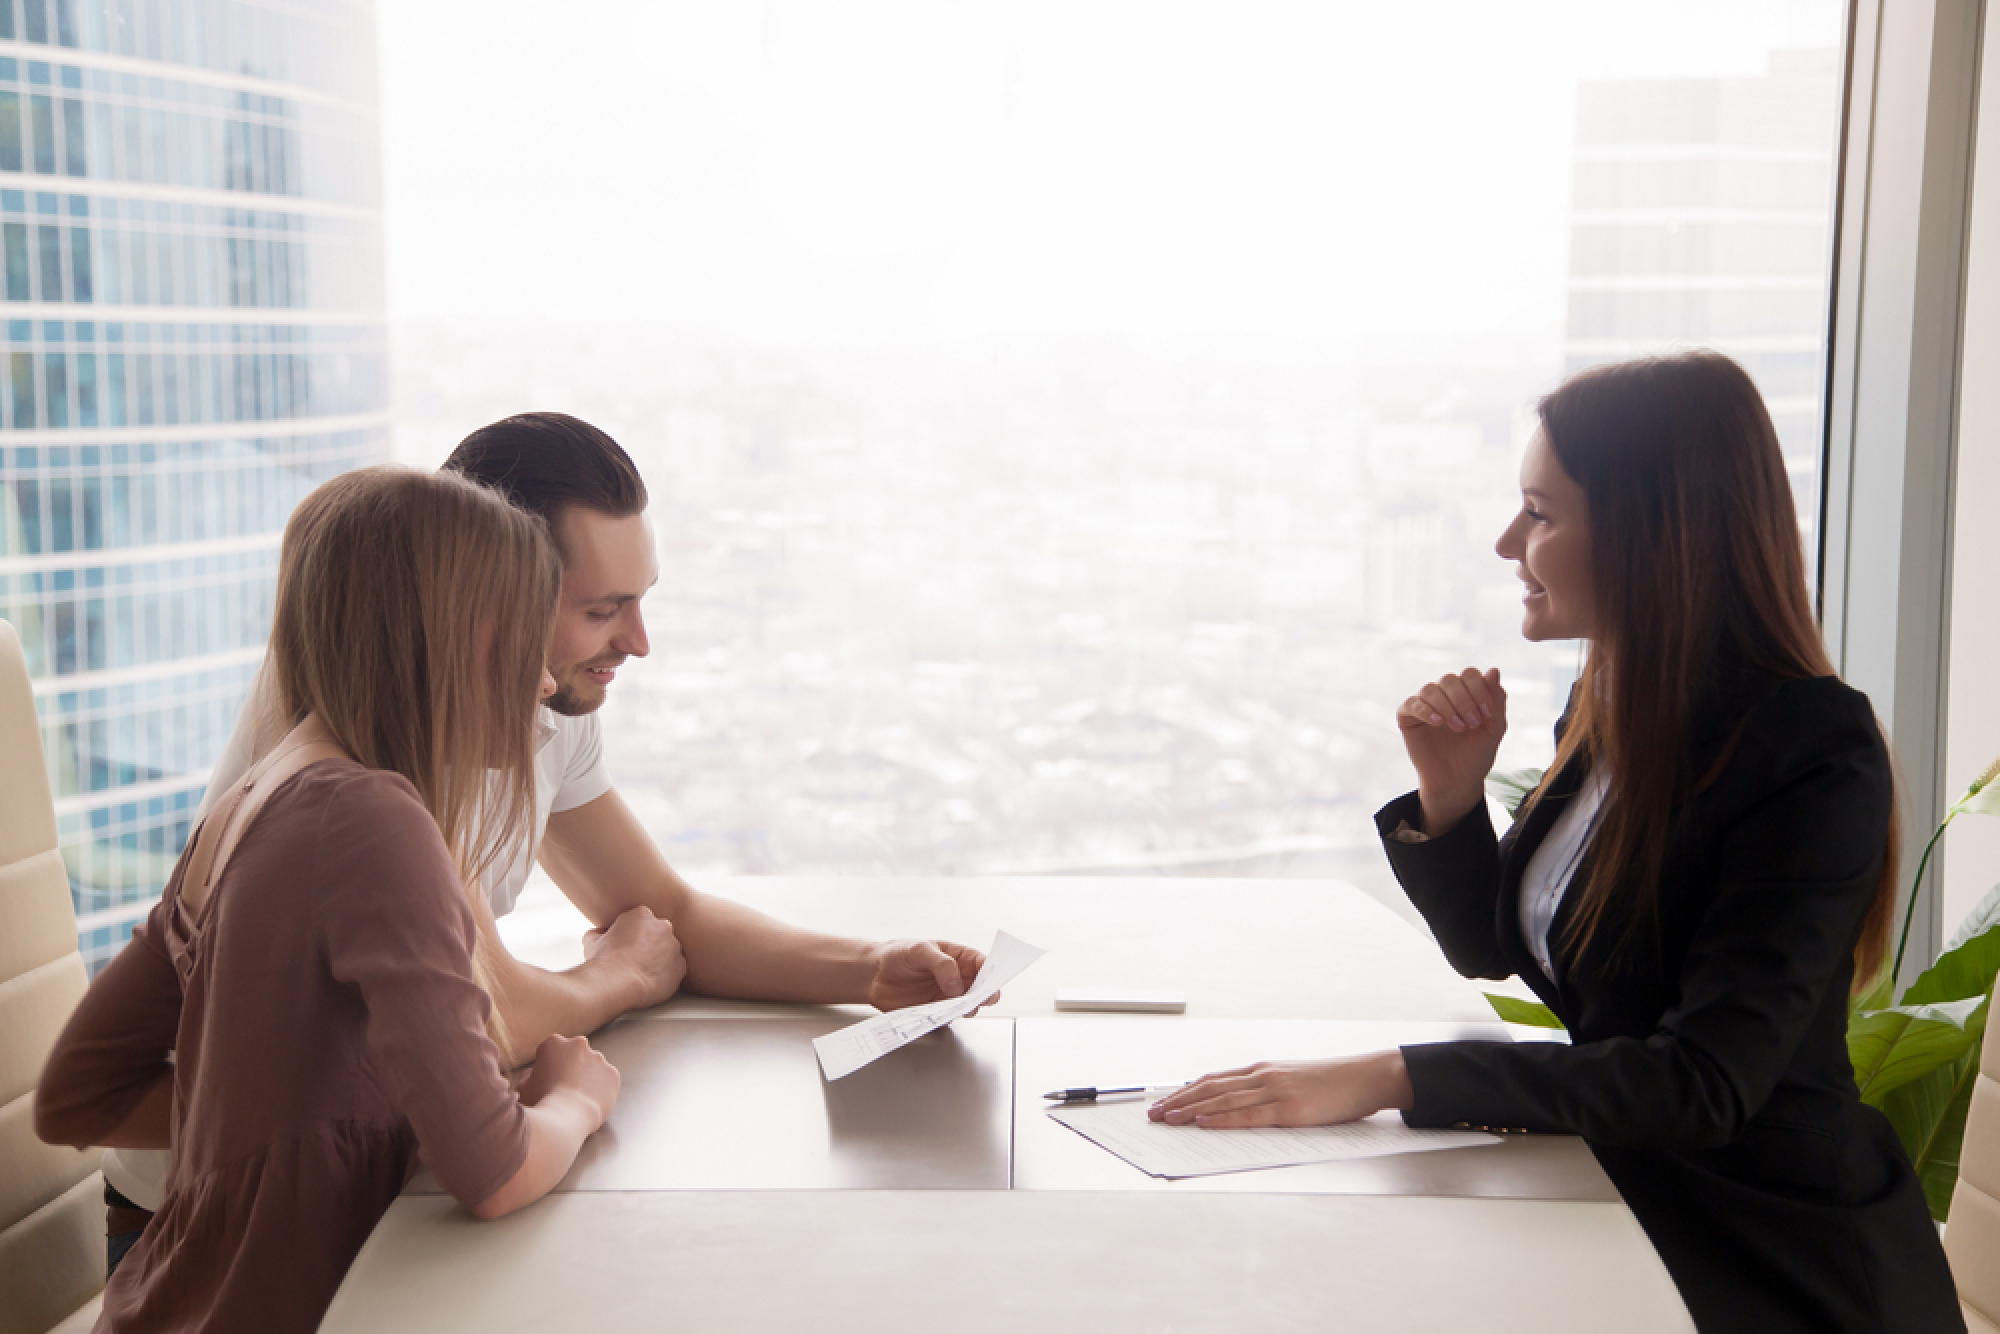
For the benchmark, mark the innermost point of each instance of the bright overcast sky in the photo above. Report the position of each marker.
(933, 168)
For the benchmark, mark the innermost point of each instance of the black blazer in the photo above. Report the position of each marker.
(1708, 1069)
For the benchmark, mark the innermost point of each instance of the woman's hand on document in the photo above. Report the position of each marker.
(1290, 1093)
(1452, 729)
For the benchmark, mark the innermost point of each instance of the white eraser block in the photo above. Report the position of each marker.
(1121, 1000)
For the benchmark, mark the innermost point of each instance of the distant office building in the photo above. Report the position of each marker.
(1702, 217)
(1403, 566)
(190, 217)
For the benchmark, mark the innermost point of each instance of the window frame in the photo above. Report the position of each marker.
(1895, 333)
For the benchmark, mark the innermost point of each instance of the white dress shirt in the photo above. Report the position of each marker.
(1554, 864)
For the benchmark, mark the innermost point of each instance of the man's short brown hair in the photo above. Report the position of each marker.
(545, 462)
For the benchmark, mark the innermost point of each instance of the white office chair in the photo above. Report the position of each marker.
(51, 1199)
(1972, 1235)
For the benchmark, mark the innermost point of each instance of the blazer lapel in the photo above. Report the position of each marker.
(1517, 849)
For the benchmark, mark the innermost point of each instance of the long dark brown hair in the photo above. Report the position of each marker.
(1696, 564)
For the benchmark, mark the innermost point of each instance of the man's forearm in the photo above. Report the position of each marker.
(736, 951)
(601, 857)
(535, 1003)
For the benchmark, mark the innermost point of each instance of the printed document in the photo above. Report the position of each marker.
(846, 1050)
(1161, 1150)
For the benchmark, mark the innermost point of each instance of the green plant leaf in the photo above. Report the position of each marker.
(1966, 968)
(1876, 997)
(1510, 787)
(1891, 1048)
(1918, 1061)
(1929, 1116)
(1517, 1011)
(1985, 914)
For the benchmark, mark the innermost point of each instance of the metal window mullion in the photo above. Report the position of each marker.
(1895, 328)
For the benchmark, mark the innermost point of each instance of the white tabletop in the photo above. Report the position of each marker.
(719, 1104)
(1000, 1262)
(1239, 949)
(655, 1231)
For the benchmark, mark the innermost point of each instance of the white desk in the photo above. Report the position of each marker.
(1001, 1262)
(1240, 949)
(777, 1224)
(720, 1104)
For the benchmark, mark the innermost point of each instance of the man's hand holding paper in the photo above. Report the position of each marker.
(846, 1050)
(919, 972)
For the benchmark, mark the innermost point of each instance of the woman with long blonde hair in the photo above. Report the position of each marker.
(312, 968)
(1704, 875)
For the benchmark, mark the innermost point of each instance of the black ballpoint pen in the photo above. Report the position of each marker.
(1089, 1095)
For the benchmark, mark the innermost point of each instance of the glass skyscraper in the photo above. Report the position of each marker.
(190, 212)
(1703, 216)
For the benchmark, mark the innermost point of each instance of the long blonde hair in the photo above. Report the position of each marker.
(413, 617)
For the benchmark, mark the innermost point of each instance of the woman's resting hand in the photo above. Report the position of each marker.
(572, 1064)
(1452, 729)
(567, 1095)
(1290, 1093)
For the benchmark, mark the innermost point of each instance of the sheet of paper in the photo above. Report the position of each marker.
(1162, 1150)
(846, 1050)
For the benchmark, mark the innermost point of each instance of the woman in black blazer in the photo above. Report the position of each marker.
(1694, 889)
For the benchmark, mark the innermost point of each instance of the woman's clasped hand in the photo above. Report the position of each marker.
(1452, 729)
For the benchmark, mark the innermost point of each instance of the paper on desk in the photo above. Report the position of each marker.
(846, 1050)
(1161, 1150)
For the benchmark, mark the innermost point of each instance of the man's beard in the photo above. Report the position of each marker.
(569, 702)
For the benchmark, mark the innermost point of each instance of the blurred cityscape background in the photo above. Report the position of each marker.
(1113, 604)
(969, 595)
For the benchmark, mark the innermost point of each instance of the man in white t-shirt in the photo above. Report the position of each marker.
(655, 934)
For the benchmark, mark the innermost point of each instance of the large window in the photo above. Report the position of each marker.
(1073, 428)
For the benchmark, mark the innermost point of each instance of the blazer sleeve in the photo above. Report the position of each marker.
(1455, 882)
(1798, 867)
(395, 926)
(117, 1044)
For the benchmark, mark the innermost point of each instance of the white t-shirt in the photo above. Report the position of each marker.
(569, 772)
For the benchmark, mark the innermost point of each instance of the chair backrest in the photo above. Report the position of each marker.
(1972, 1234)
(51, 1199)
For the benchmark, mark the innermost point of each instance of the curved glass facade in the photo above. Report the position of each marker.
(191, 234)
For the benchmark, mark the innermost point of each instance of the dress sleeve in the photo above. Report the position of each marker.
(117, 1044)
(393, 921)
(1798, 868)
(1454, 880)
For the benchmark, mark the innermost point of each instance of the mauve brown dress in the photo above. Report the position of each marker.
(327, 1030)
